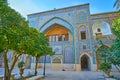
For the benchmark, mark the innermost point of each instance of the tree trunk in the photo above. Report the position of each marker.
(6, 67)
(21, 72)
(14, 61)
(107, 73)
(7, 71)
(36, 63)
(9, 75)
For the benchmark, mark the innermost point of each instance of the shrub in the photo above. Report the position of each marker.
(21, 64)
(106, 67)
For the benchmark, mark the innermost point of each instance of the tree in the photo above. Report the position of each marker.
(12, 39)
(112, 53)
(14, 32)
(115, 47)
(21, 69)
(43, 51)
(117, 4)
(104, 55)
(115, 54)
(103, 52)
(106, 67)
(16, 35)
(40, 46)
(116, 27)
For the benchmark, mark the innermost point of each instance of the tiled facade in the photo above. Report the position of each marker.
(78, 52)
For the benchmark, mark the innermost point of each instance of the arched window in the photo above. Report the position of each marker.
(98, 30)
(101, 26)
(82, 33)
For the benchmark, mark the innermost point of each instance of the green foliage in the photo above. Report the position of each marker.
(105, 66)
(116, 27)
(21, 64)
(103, 52)
(115, 52)
(16, 35)
(115, 47)
(40, 45)
(111, 54)
(3, 2)
(13, 29)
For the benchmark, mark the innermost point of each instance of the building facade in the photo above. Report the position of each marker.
(72, 33)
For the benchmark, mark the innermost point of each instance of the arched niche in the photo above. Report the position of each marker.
(57, 32)
(68, 55)
(83, 33)
(101, 27)
(56, 20)
(63, 24)
(85, 62)
(57, 59)
(102, 51)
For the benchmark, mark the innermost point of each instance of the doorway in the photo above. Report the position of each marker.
(85, 63)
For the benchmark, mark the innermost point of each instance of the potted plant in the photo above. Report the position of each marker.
(21, 68)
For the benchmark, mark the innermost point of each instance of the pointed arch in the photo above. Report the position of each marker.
(56, 20)
(57, 59)
(85, 61)
(102, 50)
(83, 32)
(103, 26)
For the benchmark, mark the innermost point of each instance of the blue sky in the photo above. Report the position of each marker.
(25, 7)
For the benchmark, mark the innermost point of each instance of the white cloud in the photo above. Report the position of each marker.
(24, 7)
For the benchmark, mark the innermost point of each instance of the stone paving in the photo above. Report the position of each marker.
(69, 75)
(16, 71)
(62, 75)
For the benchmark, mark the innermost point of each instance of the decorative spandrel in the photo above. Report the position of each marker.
(57, 49)
(103, 26)
(57, 58)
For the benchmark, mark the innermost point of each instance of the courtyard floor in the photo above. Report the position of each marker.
(69, 75)
(62, 75)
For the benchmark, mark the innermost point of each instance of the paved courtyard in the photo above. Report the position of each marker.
(62, 75)
(69, 75)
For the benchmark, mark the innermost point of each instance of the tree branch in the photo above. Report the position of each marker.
(14, 61)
